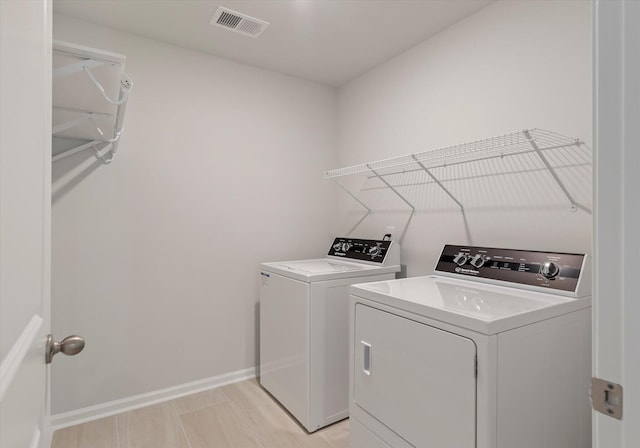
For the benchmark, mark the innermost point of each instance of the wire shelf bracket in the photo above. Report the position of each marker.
(355, 198)
(536, 148)
(430, 174)
(82, 126)
(384, 181)
(76, 67)
(522, 143)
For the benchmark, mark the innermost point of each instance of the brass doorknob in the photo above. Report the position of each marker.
(71, 345)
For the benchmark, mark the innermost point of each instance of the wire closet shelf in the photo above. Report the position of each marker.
(550, 150)
(90, 95)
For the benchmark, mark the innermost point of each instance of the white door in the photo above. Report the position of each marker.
(25, 198)
(616, 356)
(417, 380)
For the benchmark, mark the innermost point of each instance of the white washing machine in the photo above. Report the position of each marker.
(493, 351)
(304, 326)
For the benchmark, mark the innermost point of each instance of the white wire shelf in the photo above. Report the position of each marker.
(90, 95)
(514, 155)
(501, 146)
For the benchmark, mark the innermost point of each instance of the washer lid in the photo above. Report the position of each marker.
(483, 308)
(324, 269)
(321, 266)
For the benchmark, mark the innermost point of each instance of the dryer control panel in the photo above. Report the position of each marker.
(551, 270)
(359, 249)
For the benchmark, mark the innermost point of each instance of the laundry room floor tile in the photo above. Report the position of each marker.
(240, 415)
(217, 426)
(276, 429)
(199, 401)
(101, 433)
(156, 426)
(337, 434)
(247, 394)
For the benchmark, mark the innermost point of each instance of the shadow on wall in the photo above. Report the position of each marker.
(68, 173)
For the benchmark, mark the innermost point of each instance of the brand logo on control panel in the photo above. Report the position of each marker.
(460, 270)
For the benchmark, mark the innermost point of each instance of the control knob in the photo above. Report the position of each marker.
(460, 259)
(375, 251)
(478, 261)
(549, 269)
(337, 246)
(346, 247)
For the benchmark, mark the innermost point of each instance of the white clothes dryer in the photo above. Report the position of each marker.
(304, 326)
(493, 351)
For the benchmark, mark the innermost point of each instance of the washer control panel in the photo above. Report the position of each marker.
(558, 271)
(358, 249)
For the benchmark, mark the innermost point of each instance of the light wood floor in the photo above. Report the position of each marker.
(240, 415)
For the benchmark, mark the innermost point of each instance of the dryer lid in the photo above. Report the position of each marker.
(484, 308)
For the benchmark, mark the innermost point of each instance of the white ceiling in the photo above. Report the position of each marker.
(327, 41)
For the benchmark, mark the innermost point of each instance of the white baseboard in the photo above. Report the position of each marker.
(83, 415)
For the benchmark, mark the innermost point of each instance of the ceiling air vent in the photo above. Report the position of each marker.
(238, 22)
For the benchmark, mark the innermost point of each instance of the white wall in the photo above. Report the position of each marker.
(512, 66)
(155, 256)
